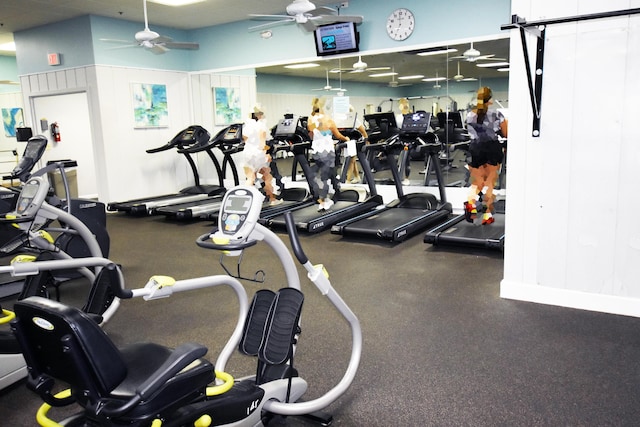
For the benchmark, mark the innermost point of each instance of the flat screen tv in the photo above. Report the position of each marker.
(337, 38)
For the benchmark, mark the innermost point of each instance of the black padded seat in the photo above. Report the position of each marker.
(133, 384)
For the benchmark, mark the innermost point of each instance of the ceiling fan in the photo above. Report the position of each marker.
(472, 55)
(359, 67)
(306, 14)
(394, 82)
(328, 87)
(153, 41)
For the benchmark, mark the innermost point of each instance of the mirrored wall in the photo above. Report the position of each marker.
(442, 79)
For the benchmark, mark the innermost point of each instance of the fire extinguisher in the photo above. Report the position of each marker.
(55, 131)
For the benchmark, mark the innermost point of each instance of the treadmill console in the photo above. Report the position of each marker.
(238, 215)
(192, 135)
(286, 128)
(416, 123)
(231, 134)
(31, 197)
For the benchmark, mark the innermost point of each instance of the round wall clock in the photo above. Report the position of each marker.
(400, 24)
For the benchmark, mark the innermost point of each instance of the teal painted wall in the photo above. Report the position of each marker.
(9, 71)
(233, 46)
(70, 38)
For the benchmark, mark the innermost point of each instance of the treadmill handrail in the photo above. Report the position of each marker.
(177, 141)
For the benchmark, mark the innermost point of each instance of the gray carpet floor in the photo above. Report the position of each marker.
(440, 347)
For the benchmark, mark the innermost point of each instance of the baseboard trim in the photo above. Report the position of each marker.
(570, 298)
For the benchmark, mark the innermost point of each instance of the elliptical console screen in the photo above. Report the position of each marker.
(239, 212)
(31, 197)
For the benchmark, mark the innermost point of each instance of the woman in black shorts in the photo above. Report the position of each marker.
(484, 125)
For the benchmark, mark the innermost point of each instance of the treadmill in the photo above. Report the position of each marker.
(229, 141)
(408, 213)
(348, 202)
(290, 136)
(183, 139)
(458, 232)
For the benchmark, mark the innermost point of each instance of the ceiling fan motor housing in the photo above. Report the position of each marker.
(300, 7)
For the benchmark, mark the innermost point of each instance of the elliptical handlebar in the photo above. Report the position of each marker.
(294, 238)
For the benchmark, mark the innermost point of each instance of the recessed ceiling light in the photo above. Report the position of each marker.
(492, 64)
(417, 76)
(11, 46)
(437, 52)
(302, 65)
(383, 74)
(176, 3)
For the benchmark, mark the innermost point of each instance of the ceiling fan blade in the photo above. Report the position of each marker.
(158, 49)
(309, 25)
(116, 41)
(378, 68)
(332, 19)
(349, 18)
(490, 58)
(182, 45)
(322, 10)
(261, 17)
(271, 24)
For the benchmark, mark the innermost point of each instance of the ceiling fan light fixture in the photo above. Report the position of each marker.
(266, 34)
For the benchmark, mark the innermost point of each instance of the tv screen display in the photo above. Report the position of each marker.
(333, 39)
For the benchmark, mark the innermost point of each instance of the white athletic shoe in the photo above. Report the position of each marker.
(327, 204)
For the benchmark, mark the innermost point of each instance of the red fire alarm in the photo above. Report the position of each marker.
(53, 58)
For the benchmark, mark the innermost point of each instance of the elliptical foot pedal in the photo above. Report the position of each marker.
(256, 319)
(281, 326)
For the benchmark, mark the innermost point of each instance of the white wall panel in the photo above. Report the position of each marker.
(575, 242)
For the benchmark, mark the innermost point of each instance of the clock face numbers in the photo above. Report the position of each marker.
(400, 24)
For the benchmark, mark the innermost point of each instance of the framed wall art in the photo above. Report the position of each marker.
(226, 105)
(12, 118)
(150, 105)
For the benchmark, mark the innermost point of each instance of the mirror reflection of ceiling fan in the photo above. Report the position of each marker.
(153, 41)
(328, 87)
(472, 55)
(306, 14)
(359, 67)
(460, 78)
(394, 82)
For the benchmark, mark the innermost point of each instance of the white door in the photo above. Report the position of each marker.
(71, 112)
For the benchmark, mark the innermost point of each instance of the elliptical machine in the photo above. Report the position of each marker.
(31, 214)
(151, 385)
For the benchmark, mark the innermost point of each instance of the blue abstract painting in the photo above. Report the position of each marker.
(11, 119)
(150, 105)
(227, 105)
